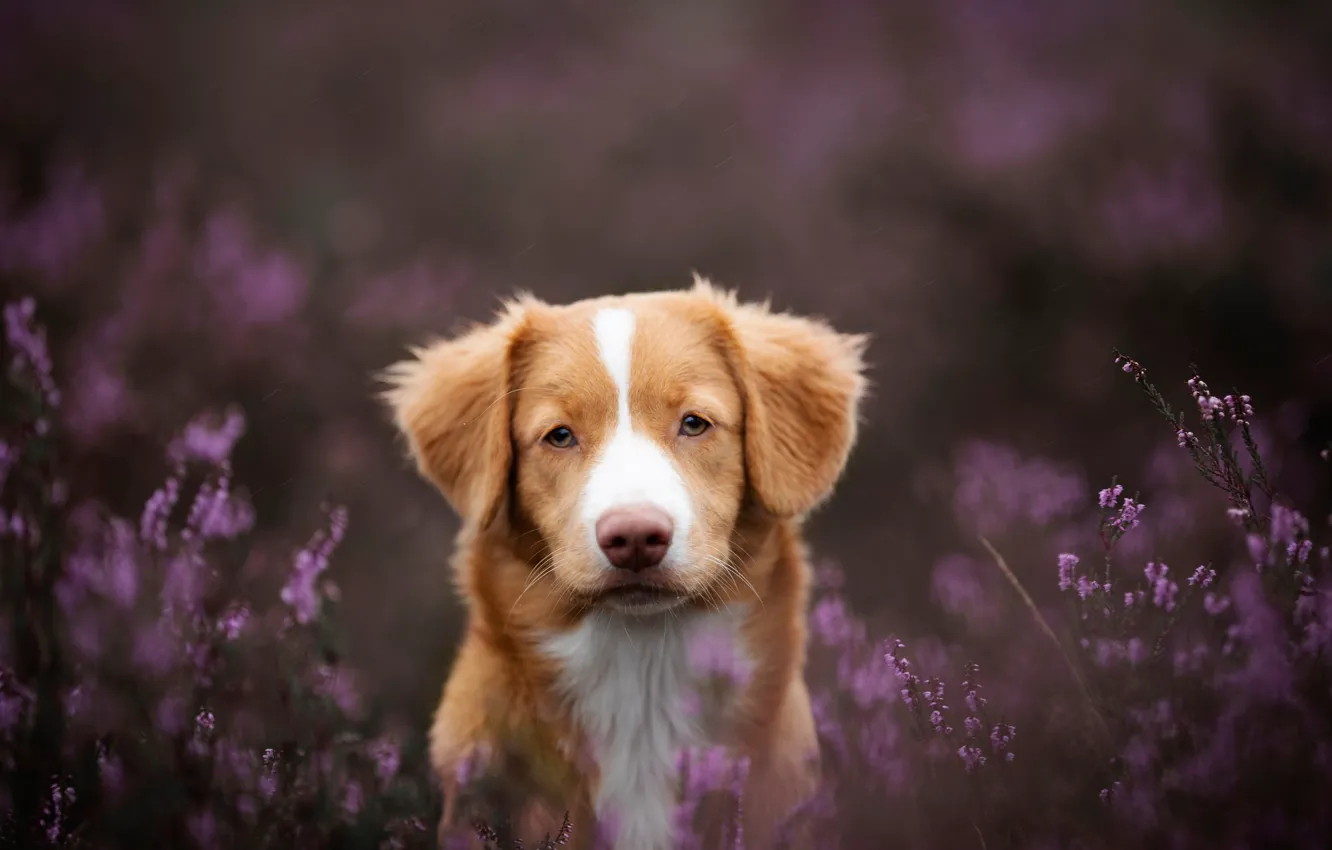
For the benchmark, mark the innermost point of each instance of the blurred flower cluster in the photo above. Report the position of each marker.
(149, 694)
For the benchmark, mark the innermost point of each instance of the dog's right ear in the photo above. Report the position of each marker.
(451, 400)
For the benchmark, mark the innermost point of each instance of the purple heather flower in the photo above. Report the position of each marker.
(879, 739)
(29, 343)
(1128, 516)
(183, 589)
(268, 780)
(1086, 587)
(831, 622)
(207, 440)
(1257, 550)
(300, 591)
(1067, 564)
(1164, 595)
(157, 510)
(1211, 408)
(1109, 497)
(1288, 525)
(869, 681)
(971, 690)
(1136, 651)
(971, 756)
(1163, 589)
(1202, 577)
(216, 512)
(1240, 408)
(53, 814)
(1191, 661)
(957, 586)
(1299, 553)
(57, 231)
(901, 667)
(997, 487)
(1131, 367)
(233, 620)
(1000, 737)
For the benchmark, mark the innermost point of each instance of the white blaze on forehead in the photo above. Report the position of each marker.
(632, 469)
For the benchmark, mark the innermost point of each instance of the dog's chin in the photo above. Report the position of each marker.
(640, 600)
(639, 594)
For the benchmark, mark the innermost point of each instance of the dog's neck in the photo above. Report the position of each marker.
(639, 691)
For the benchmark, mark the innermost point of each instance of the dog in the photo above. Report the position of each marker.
(631, 473)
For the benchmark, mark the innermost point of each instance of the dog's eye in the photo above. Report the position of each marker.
(561, 437)
(693, 426)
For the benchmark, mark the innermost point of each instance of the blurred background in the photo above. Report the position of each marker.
(263, 203)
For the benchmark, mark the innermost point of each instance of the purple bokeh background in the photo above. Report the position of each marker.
(261, 204)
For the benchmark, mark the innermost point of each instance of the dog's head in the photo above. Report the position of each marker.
(615, 441)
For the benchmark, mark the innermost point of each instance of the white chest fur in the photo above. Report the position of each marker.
(630, 685)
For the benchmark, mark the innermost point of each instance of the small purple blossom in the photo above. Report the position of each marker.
(1000, 737)
(1067, 564)
(217, 513)
(156, 512)
(1202, 577)
(1239, 407)
(1109, 497)
(208, 438)
(1128, 516)
(300, 591)
(61, 797)
(233, 620)
(1087, 587)
(972, 757)
(28, 340)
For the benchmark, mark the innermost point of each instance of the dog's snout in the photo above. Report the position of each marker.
(635, 538)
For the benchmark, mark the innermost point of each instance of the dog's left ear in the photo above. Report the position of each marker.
(803, 383)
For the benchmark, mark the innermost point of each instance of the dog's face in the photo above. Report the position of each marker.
(615, 441)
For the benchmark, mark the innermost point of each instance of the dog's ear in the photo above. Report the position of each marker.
(451, 399)
(803, 383)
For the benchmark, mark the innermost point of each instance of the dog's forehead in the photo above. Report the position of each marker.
(666, 342)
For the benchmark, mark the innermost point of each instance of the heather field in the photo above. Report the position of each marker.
(1074, 591)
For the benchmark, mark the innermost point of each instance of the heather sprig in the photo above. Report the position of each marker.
(1214, 454)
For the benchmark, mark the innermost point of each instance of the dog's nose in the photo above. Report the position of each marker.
(634, 538)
